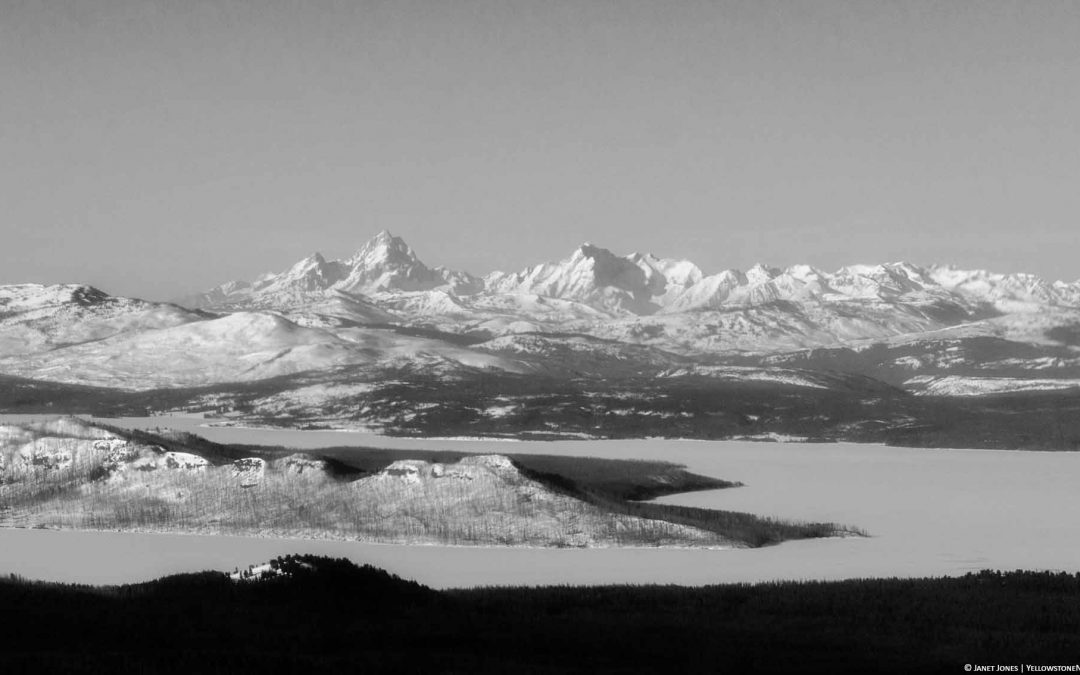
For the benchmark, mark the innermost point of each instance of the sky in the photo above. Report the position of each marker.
(156, 148)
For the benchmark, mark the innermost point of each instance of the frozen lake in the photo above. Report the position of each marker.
(930, 513)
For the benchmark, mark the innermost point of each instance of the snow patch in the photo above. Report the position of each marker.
(957, 385)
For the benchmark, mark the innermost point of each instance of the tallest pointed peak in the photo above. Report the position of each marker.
(383, 252)
(387, 263)
(384, 246)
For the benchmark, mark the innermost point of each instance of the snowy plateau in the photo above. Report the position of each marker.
(379, 339)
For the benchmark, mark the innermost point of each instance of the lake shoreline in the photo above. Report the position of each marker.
(932, 512)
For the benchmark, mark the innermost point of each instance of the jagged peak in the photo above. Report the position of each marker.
(954, 272)
(905, 265)
(235, 285)
(891, 269)
(729, 275)
(382, 239)
(760, 273)
(314, 261)
(604, 262)
(585, 252)
(383, 251)
(803, 271)
(590, 250)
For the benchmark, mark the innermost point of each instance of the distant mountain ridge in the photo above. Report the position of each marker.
(636, 284)
(382, 312)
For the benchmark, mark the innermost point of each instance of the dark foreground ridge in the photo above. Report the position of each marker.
(323, 615)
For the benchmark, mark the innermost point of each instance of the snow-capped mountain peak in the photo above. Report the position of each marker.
(889, 280)
(383, 250)
(385, 264)
(666, 276)
(592, 276)
(313, 273)
(388, 264)
(1008, 291)
(760, 273)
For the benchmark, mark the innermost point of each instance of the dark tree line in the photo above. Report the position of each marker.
(324, 615)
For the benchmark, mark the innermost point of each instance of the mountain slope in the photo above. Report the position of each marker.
(238, 347)
(36, 318)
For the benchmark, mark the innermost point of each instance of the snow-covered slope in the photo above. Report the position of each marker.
(36, 318)
(238, 347)
(338, 308)
(953, 385)
(583, 355)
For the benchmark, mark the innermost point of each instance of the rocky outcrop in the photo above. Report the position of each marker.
(249, 471)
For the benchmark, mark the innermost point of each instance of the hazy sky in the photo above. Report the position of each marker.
(155, 148)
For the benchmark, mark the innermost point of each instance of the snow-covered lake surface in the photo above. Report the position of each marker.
(930, 512)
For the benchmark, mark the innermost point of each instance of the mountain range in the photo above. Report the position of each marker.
(324, 332)
(637, 284)
(665, 303)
